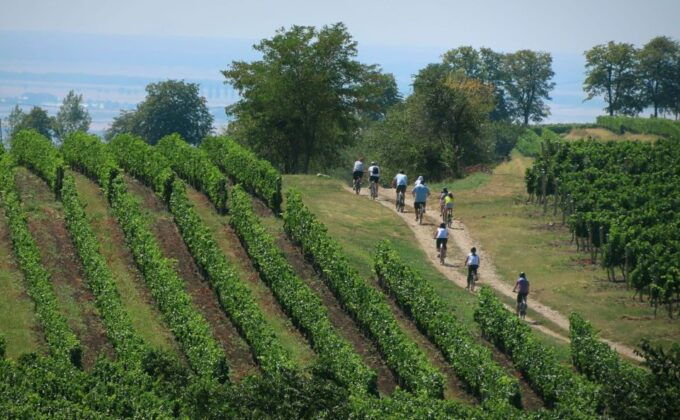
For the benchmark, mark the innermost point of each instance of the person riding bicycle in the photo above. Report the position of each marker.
(472, 263)
(442, 196)
(420, 193)
(374, 174)
(442, 237)
(448, 206)
(358, 172)
(400, 181)
(522, 289)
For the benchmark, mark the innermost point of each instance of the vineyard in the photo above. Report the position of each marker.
(268, 315)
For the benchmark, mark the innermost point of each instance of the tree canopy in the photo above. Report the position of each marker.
(72, 116)
(657, 66)
(529, 84)
(305, 99)
(37, 119)
(611, 72)
(172, 106)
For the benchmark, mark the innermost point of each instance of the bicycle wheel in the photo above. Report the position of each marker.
(442, 254)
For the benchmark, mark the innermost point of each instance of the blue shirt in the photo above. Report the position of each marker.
(420, 193)
(401, 179)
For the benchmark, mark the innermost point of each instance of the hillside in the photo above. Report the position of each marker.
(140, 256)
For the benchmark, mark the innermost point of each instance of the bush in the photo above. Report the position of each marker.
(255, 175)
(529, 144)
(471, 361)
(556, 384)
(297, 299)
(368, 306)
(658, 126)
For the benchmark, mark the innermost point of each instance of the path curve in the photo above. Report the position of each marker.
(487, 271)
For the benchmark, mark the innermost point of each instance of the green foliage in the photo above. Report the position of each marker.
(611, 71)
(87, 154)
(172, 106)
(629, 392)
(658, 126)
(504, 136)
(255, 175)
(189, 327)
(72, 116)
(529, 84)
(3, 346)
(304, 100)
(37, 119)
(658, 70)
(368, 307)
(127, 342)
(36, 152)
(556, 384)
(195, 167)
(237, 301)
(297, 299)
(529, 143)
(471, 361)
(62, 342)
(621, 199)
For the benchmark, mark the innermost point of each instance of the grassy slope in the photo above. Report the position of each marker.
(145, 318)
(18, 322)
(520, 238)
(358, 224)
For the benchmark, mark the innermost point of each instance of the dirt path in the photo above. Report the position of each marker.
(59, 256)
(487, 272)
(164, 229)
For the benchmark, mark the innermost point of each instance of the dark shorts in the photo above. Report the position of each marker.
(419, 204)
(375, 178)
(441, 242)
(357, 174)
(401, 188)
(472, 269)
(522, 296)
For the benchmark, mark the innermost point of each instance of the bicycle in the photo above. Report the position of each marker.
(522, 307)
(419, 214)
(400, 202)
(357, 185)
(447, 217)
(374, 190)
(471, 280)
(442, 253)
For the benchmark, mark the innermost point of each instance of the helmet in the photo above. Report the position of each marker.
(522, 274)
(445, 190)
(373, 163)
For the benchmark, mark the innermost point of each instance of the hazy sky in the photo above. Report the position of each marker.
(557, 26)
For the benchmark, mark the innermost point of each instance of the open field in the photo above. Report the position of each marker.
(606, 135)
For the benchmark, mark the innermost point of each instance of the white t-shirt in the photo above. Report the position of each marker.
(374, 170)
(401, 179)
(473, 259)
(442, 233)
(358, 166)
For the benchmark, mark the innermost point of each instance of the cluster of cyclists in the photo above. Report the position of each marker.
(421, 192)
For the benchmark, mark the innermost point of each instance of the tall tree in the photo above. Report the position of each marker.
(656, 69)
(485, 65)
(611, 72)
(172, 106)
(12, 121)
(529, 85)
(38, 120)
(72, 116)
(303, 101)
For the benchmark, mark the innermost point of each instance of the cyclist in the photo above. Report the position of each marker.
(442, 237)
(374, 175)
(448, 210)
(442, 196)
(418, 181)
(400, 181)
(472, 263)
(358, 172)
(420, 193)
(522, 289)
